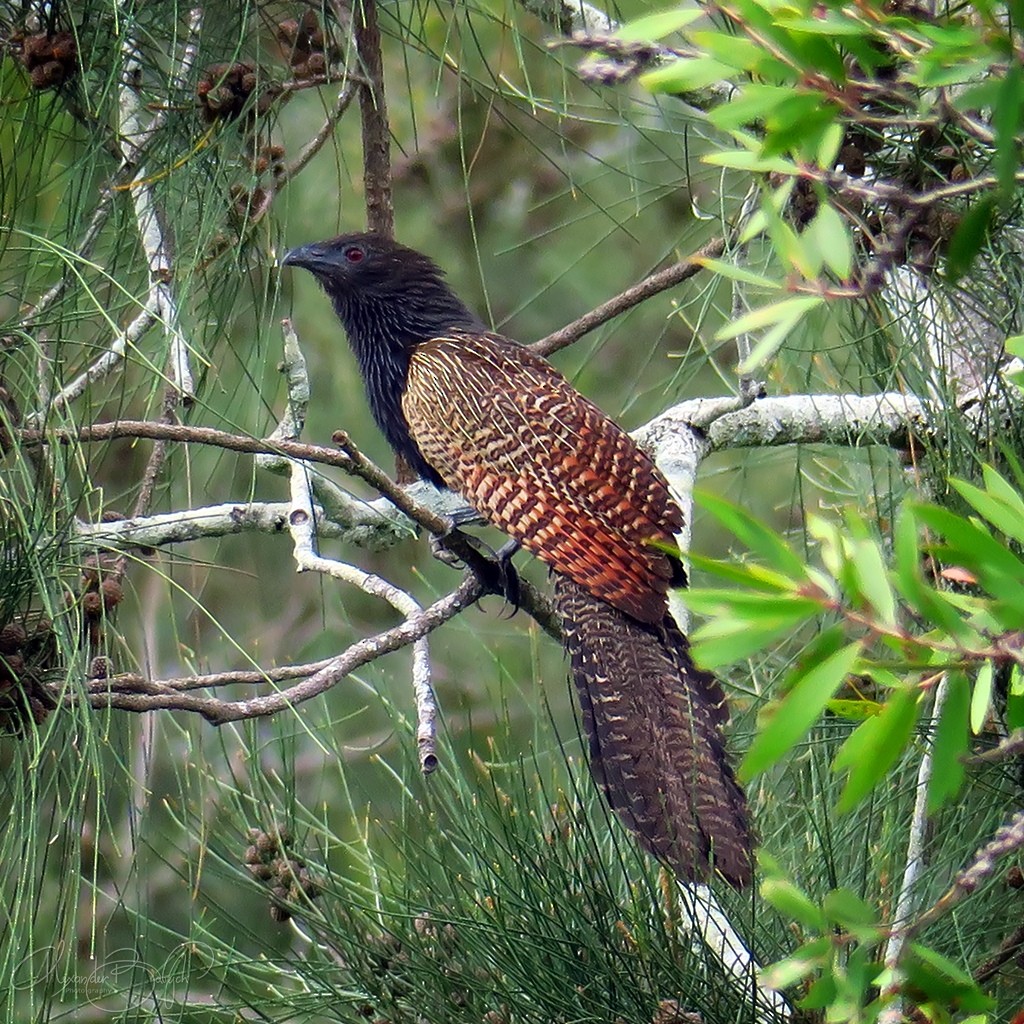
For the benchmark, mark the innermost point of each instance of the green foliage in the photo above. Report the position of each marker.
(128, 889)
(899, 630)
(894, 630)
(837, 110)
(838, 966)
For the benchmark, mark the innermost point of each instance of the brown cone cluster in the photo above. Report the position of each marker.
(49, 59)
(305, 46)
(100, 591)
(27, 650)
(224, 90)
(270, 858)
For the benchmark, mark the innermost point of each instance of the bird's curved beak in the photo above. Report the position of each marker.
(311, 257)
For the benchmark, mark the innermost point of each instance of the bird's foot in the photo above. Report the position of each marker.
(493, 568)
(509, 575)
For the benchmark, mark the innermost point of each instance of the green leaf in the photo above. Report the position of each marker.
(793, 902)
(1006, 120)
(687, 74)
(830, 144)
(742, 160)
(798, 710)
(943, 981)
(788, 318)
(872, 579)
(831, 24)
(735, 51)
(969, 237)
(846, 909)
(1004, 513)
(755, 535)
(833, 239)
(981, 697)
(1015, 701)
(930, 604)
(784, 973)
(950, 743)
(855, 710)
(810, 957)
(752, 606)
(726, 640)
(653, 27)
(1015, 345)
(1002, 489)
(746, 574)
(736, 273)
(751, 103)
(998, 570)
(873, 747)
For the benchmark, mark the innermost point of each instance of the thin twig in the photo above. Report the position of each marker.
(108, 361)
(1008, 838)
(1011, 947)
(155, 697)
(301, 526)
(643, 290)
(325, 132)
(1008, 748)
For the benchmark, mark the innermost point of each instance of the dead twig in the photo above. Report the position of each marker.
(633, 296)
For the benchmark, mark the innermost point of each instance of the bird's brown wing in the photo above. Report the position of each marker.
(538, 460)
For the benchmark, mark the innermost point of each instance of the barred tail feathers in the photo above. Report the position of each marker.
(653, 720)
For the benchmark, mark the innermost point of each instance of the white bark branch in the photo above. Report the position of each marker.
(302, 527)
(152, 233)
(893, 1013)
(705, 919)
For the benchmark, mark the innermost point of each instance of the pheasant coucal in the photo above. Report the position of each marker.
(479, 414)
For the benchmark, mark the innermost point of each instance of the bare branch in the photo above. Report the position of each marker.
(301, 526)
(380, 211)
(1010, 747)
(914, 864)
(705, 918)
(152, 230)
(645, 289)
(154, 696)
(325, 132)
(888, 419)
(1008, 838)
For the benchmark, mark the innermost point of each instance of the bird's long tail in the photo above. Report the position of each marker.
(654, 720)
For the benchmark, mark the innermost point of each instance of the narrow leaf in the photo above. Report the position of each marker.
(735, 273)
(872, 748)
(653, 27)
(798, 711)
(950, 743)
(981, 698)
(686, 75)
(771, 342)
(793, 902)
(969, 237)
(755, 535)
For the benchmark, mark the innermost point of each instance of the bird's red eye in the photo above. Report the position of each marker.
(354, 254)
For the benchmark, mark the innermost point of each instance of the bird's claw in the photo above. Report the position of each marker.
(498, 574)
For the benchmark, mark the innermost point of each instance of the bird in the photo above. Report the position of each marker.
(475, 412)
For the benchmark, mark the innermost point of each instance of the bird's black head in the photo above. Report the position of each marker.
(390, 299)
(384, 293)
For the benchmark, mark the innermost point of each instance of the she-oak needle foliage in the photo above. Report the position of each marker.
(154, 159)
